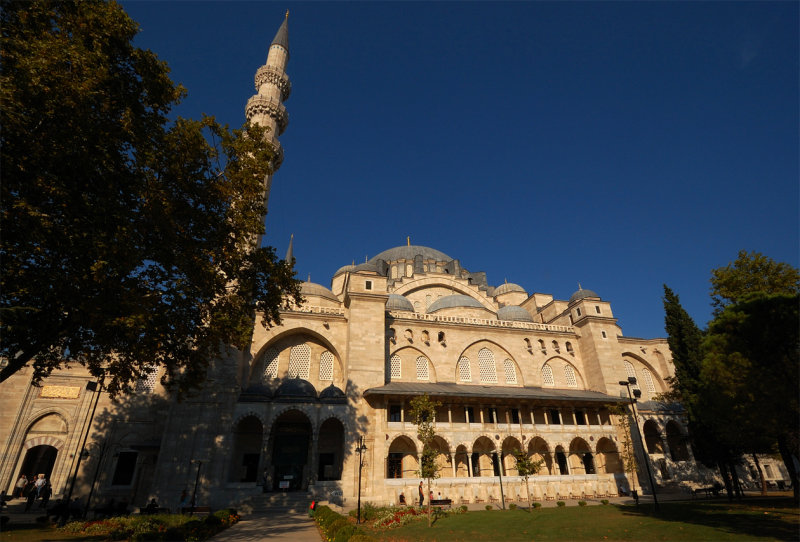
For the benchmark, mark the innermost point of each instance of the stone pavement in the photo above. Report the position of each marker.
(275, 526)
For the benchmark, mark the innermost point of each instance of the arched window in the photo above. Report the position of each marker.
(394, 367)
(569, 347)
(147, 383)
(326, 366)
(555, 346)
(299, 361)
(541, 346)
(271, 364)
(422, 368)
(511, 372)
(464, 370)
(569, 376)
(631, 372)
(547, 376)
(486, 365)
(648, 381)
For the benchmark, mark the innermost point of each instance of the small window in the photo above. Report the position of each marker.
(440, 337)
(486, 366)
(555, 346)
(603, 334)
(395, 413)
(547, 376)
(569, 347)
(580, 417)
(470, 413)
(511, 371)
(597, 309)
(648, 381)
(569, 376)
(271, 364)
(394, 367)
(490, 415)
(541, 346)
(126, 465)
(515, 415)
(299, 361)
(464, 370)
(147, 383)
(326, 366)
(368, 285)
(422, 368)
(578, 312)
(768, 469)
(555, 416)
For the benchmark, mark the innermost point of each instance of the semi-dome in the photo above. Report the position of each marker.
(509, 287)
(408, 252)
(454, 301)
(296, 388)
(314, 289)
(514, 312)
(332, 394)
(344, 269)
(398, 303)
(581, 293)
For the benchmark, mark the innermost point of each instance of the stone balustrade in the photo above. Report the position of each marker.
(534, 326)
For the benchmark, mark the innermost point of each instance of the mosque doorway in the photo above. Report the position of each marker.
(39, 460)
(291, 439)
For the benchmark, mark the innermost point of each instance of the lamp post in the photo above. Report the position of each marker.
(96, 387)
(638, 393)
(100, 457)
(360, 449)
(196, 481)
(499, 456)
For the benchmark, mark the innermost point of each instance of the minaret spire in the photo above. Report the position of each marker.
(289, 259)
(273, 87)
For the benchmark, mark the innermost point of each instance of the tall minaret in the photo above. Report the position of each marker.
(272, 89)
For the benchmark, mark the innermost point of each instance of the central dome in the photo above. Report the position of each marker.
(408, 252)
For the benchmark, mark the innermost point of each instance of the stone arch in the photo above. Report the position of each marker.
(257, 366)
(499, 352)
(581, 460)
(557, 364)
(43, 441)
(278, 412)
(538, 449)
(330, 448)
(484, 459)
(403, 458)
(290, 447)
(408, 363)
(608, 459)
(520, 376)
(451, 284)
(38, 416)
(561, 460)
(638, 360)
(239, 417)
(462, 454)
(652, 437)
(676, 441)
(510, 445)
(247, 437)
(443, 459)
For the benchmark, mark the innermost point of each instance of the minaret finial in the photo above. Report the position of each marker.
(408, 240)
(290, 252)
(309, 278)
(287, 13)
(579, 286)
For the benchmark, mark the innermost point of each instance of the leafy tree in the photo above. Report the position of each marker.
(423, 414)
(750, 273)
(527, 467)
(628, 454)
(129, 241)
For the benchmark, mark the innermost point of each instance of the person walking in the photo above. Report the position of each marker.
(20, 486)
(45, 494)
(421, 495)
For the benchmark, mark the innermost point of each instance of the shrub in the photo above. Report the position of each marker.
(489, 507)
(463, 508)
(512, 506)
(345, 533)
(561, 504)
(604, 501)
(581, 503)
(361, 537)
(334, 527)
(537, 505)
(213, 521)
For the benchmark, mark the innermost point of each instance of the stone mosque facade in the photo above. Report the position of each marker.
(513, 371)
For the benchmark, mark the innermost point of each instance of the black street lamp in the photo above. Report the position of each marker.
(196, 481)
(638, 393)
(360, 449)
(97, 388)
(100, 457)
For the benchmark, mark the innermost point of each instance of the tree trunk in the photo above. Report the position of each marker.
(723, 469)
(737, 486)
(528, 491)
(788, 460)
(760, 475)
(429, 502)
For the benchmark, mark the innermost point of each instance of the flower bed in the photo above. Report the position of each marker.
(157, 527)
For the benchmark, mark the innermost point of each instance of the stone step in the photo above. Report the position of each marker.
(297, 501)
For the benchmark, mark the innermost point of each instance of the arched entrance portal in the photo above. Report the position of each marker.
(39, 460)
(291, 440)
(331, 450)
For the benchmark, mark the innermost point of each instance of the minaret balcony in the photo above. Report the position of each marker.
(273, 76)
(260, 105)
(277, 160)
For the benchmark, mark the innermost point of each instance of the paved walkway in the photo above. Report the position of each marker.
(278, 526)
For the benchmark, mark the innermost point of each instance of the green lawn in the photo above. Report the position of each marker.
(706, 521)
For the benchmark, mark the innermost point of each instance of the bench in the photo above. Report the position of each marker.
(709, 491)
(196, 510)
(442, 502)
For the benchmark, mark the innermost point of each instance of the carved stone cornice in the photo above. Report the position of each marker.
(268, 74)
(260, 105)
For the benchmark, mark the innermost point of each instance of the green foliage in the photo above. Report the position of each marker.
(423, 415)
(129, 241)
(750, 273)
(463, 508)
(561, 504)
(361, 537)
(156, 527)
(627, 453)
(527, 467)
(512, 506)
(489, 507)
(581, 503)
(604, 501)
(345, 533)
(537, 505)
(684, 338)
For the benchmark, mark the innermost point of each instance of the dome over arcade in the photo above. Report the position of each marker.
(296, 388)
(515, 313)
(454, 301)
(509, 287)
(332, 394)
(318, 290)
(398, 303)
(581, 293)
(408, 252)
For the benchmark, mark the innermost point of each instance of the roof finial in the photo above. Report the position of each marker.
(408, 240)
(289, 251)
(309, 278)
(287, 13)
(579, 286)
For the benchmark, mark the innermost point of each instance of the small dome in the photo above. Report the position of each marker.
(408, 252)
(398, 303)
(344, 269)
(296, 388)
(332, 394)
(509, 287)
(581, 293)
(366, 266)
(454, 301)
(514, 312)
(312, 288)
(257, 392)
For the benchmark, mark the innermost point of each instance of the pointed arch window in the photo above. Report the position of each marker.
(547, 376)
(299, 361)
(486, 366)
(394, 367)
(569, 376)
(648, 381)
(511, 371)
(147, 383)
(422, 368)
(464, 370)
(326, 366)
(271, 364)
(631, 372)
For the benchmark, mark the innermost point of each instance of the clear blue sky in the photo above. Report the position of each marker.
(620, 144)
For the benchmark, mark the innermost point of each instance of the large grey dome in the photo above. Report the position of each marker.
(581, 293)
(514, 312)
(408, 252)
(454, 301)
(312, 288)
(398, 303)
(509, 287)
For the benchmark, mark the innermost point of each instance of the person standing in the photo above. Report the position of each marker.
(40, 483)
(421, 495)
(20, 486)
(45, 494)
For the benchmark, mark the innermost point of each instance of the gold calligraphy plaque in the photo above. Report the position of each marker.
(60, 392)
